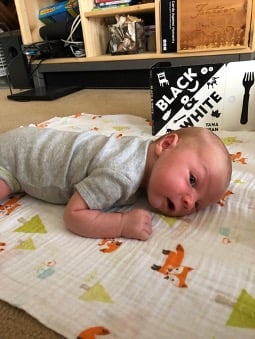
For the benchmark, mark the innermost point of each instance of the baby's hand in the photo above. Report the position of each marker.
(136, 224)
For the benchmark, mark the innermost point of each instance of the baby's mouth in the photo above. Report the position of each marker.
(170, 205)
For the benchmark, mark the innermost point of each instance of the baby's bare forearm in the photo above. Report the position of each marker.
(97, 224)
(94, 223)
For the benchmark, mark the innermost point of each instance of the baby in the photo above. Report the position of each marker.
(181, 172)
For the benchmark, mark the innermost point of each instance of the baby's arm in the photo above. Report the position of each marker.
(97, 224)
(4, 189)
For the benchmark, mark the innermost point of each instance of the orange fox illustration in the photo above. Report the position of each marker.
(111, 245)
(172, 268)
(221, 202)
(178, 275)
(92, 332)
(10, 205)
(78, 115)
(237, 157)
(173, 259)
(43, 125)
(2, 244)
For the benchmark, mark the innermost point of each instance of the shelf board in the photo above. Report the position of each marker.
(99, 13)
(146, 56)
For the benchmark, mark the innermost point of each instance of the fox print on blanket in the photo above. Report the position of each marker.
(172, 268)
(10, 205)
(109, 245)
(178, 275)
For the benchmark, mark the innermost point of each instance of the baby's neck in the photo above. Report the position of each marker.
(150, 160)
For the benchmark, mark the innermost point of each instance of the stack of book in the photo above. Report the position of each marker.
(113, 3)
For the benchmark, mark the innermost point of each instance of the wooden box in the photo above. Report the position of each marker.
(213, 24)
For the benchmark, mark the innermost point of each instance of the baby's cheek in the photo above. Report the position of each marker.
(155, 201)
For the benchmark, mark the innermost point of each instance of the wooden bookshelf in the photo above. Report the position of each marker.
(95, 33)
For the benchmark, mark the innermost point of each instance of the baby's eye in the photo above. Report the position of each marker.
(192, 180)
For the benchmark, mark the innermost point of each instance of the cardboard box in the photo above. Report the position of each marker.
(61, 11)
(215, 96)
(214, 24)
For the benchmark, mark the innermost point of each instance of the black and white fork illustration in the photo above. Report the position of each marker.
(248, 81)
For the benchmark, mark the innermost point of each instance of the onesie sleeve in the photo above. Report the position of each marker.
(105, 188)
(10, 180)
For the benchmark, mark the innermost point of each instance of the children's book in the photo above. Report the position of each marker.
(215, 96)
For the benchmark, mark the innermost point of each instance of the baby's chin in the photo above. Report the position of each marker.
(175, 214)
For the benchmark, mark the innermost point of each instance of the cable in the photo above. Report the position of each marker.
(74, 26)
(76, 47)
(30, 71)
(36, 67)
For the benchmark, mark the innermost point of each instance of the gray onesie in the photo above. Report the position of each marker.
(50, 164)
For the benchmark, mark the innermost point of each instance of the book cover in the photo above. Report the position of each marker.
(239, 97)
(215, 96)
(187, 96)
(168, 20)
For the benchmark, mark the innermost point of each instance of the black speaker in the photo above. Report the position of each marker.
(17, 64)
(60, 30)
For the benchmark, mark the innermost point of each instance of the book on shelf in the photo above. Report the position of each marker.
(105, 1)
(112, 2)
(115, 3)
(168, 19)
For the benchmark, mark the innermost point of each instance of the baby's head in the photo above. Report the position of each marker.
(191, 170)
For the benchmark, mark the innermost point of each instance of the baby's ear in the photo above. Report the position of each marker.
(165, 142)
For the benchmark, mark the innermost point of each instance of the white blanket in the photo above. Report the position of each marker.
(194, 278)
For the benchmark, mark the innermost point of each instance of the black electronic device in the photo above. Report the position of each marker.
(69, 33)
(18, 69)
(46, 50)
(60, 30)
(43, 93)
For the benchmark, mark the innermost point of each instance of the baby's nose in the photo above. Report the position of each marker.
(188, 202)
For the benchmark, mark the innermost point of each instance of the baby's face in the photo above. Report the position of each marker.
(185, 180)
